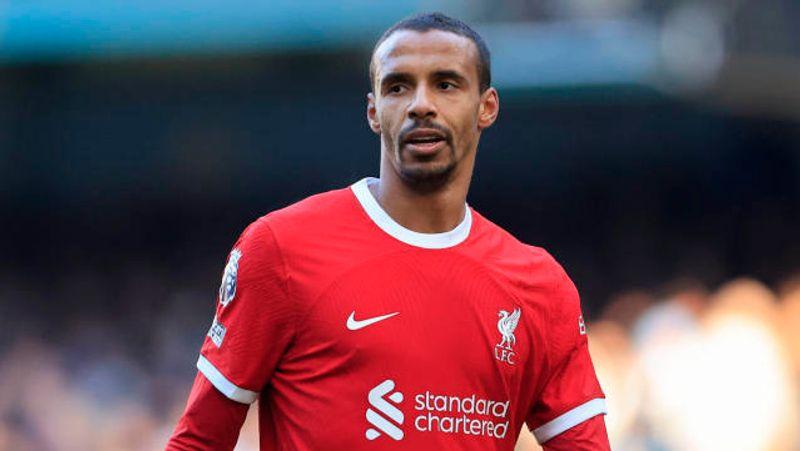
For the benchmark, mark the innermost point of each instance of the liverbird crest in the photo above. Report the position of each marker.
(506, 325)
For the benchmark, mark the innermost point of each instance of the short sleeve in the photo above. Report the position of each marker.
(254, 319)
(571, 393)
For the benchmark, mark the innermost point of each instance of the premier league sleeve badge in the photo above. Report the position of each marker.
(227, 289)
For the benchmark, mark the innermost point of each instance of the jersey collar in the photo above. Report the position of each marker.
(408, 236)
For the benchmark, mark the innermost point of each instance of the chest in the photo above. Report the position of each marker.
(437, 319)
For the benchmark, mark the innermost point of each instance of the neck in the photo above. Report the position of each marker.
(429, 211)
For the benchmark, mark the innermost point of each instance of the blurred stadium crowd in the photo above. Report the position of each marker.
(686, 368)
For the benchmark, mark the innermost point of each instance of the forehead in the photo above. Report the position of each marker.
(433, 50)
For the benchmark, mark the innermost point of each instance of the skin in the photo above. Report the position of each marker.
(427, 80)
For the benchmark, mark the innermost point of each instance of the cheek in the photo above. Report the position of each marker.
(389, 128)
(389, 120)
(467, 123)
(465, 129)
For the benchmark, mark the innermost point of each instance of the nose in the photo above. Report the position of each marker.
(421, 105)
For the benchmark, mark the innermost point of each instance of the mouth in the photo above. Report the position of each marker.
(425, 141)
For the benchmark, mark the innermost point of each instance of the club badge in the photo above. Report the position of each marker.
(504, 351)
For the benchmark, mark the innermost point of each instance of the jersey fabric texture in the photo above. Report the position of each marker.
(354, 332)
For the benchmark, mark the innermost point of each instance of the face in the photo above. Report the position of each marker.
(426, 105)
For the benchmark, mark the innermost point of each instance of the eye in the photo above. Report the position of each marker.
(446, 85)
(395, 89)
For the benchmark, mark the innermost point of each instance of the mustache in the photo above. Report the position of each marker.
(448, 135)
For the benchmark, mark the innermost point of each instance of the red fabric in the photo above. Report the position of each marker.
(257, 316)
(570, 378)
(296, 331)
(210, 422)
(590, 435)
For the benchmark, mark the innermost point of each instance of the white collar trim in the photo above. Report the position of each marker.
(408, 236)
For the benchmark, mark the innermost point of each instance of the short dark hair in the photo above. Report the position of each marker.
(438, 21)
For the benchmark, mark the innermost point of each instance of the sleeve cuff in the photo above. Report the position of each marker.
(570, 419)
(221, 383)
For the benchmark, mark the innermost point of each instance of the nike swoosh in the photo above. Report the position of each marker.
(352, 324)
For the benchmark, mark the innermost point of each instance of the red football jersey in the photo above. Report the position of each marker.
(354, 332)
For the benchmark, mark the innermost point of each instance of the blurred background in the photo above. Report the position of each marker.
(652, 146)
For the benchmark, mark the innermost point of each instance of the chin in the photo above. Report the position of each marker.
(427, 176)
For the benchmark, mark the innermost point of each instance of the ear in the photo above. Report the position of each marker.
(488, 109)
(372, 114)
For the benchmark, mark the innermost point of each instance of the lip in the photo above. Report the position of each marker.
(425, 148)
(424, 133)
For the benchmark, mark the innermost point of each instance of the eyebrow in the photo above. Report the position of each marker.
(395, 77)
(401, 77)
(451, 74)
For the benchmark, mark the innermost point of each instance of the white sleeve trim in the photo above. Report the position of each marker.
(221, 383)
(570, 419)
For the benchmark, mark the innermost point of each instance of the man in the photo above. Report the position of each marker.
(390, 315)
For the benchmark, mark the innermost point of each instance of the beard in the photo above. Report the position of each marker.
(422, 177)
(426, 174)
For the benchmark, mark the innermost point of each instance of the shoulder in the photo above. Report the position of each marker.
(561, 298)
(564, 319)
(312, 207)
(552, 274)
(535, 270)
(303, 218)
(564, 298)
(280, 240)
(535, 265)
(312, 213)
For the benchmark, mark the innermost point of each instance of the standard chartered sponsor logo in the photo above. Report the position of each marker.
(453, 414)
(384, 409)
(469, 415)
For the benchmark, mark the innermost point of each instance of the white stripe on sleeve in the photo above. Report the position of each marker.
(570, 419)
(221, 383)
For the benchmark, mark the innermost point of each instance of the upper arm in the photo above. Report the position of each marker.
(589, 435)
(211, 421)
(255, 318)
(571, 393)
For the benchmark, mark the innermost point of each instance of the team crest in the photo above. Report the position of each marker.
(227, 290)
(504, 351)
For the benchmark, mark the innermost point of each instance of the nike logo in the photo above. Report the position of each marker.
(353, 324)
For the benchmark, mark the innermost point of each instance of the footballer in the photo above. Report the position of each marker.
(390, 314)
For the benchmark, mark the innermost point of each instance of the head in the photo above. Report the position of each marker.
(431, 99)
